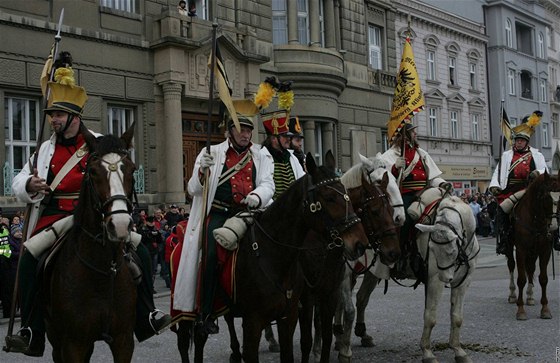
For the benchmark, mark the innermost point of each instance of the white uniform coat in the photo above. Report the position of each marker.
(46, 152)
(294, 162)
(501, 180)
(187, 274)
(432, 170)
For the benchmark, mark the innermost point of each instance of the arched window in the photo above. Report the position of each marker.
(509, 37)
(540, 53)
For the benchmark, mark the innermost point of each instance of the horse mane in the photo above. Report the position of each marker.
(110, 144)
(353, 177)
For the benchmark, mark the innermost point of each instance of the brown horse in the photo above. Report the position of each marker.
(89, 292)
(530, 235)
(325, 271)
(268, 272)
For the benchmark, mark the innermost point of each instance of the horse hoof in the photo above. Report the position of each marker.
(344, 358)
(531, 302)
(430, 360)
(367, 341)
(521, 316)
(274, 347)
(360, 329)
(512, 299)
(463, 359)
(233, 358)
(546, 315)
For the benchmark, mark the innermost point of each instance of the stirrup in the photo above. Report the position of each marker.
(152, 319)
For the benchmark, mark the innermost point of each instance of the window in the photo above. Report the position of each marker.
(279, 22)
(124, 5)
(375, 55)
(555, 119)
(303, 26)
(472, 75)
(432, 121)
(550, 33)
(452, 71)
(475, 126)
(384, 141)
(21, 126)
(524, 38)
(545, 134)
(540, 52)
(119, 120)
(454, 124)
(431, 62)
(509, 38)
(526, 85)
(542, 89)
(511, 82)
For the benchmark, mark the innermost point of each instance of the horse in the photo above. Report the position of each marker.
(532, 240)
(374, 209)
(268, 275)
(89, 292)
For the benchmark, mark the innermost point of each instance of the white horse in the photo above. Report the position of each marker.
(375, 168)
(450, 248)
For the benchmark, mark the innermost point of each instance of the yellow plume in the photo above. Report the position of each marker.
(65, 76)
(286, 100)
(534, 119)
(264, 95)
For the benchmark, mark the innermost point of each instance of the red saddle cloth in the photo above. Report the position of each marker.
(226, 261)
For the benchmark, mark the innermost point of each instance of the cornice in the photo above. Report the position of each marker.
(552, 6)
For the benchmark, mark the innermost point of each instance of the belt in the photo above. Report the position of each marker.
(75, 195)
(221, 206)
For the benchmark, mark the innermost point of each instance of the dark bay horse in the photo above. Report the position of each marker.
(371, 203)
(89, 292)
(269, 279)
(530, 235)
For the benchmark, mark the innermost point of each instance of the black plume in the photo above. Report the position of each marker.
(272, 81)
(64, 59)
(285, 86)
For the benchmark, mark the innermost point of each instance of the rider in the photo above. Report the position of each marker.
(297, 140)
(418, 171)
(240, 178)
(53, 188)
(516, 167)
(287, 167)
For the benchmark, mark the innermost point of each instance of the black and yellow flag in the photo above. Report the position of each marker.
(224, 87)
(506, 128)
(408, 99)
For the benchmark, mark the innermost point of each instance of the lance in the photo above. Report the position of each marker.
(497, 225)
(33, 166)
(206, 175)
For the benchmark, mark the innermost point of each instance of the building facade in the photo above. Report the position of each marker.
(450, 54)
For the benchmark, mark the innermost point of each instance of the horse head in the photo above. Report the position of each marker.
(108, 182)
(451, 239)
(376, 213)
(376, 169)
(327, 199)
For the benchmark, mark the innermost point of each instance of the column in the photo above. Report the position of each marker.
(338, 41)
(309, 137)
(292, 22)
(329, 23)
(173, 146)
(328, 137)
(314, 26)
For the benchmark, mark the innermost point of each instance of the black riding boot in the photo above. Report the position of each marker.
(502, 230)
(556, 240)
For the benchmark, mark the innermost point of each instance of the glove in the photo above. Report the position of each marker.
(252, 200)
(206, 161)
(533, 175)
(447, 186)
(495, 190)
(400, 163)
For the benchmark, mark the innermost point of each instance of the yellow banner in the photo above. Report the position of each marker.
(408, 98)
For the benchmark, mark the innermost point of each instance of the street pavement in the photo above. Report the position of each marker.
(490, 331)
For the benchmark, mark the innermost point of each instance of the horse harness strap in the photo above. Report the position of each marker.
(235, 169)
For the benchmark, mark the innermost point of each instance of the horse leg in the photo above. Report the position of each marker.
(318, 338)
(122, 348)
(512, 298)
(543, 280)
(456, 315)
(305, 324)
(362, 298)
(252, 330)
(530, 267)
(521, 281)
(183, 339)
(273, 345)
(74, 351)
(327, 311)
(200, 339)
(349, 314)
(433, 291)
(286, 328)
(235, 356)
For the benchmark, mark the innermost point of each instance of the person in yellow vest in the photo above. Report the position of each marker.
(513, 172)
(10, 241)
(53, 190)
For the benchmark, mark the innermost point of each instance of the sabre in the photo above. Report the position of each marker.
(33, 164)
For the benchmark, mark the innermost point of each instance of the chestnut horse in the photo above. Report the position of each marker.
(268, 275)
(89, 292)
(532, 239)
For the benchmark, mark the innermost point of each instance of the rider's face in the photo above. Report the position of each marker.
(520, 143)
(242, 138)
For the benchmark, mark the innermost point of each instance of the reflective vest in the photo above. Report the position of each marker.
(5, 250)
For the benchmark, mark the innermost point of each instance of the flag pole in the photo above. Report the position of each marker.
(33, 166)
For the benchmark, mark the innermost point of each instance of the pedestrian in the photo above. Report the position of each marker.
(513, 173)
(10, 242)
(240, 177)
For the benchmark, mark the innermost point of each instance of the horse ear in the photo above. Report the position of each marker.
(365, 161)
(310, 163)
(330, 163)
(90, 138)
(128, 136)
(385, 180)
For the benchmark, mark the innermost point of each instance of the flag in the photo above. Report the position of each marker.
(506, 128)
(46, 73)
(224, 87)
(408, 99)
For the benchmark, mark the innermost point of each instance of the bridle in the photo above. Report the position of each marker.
(462, 241)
